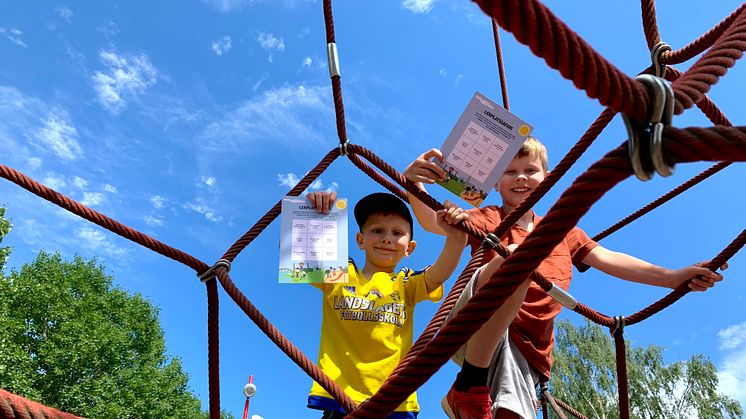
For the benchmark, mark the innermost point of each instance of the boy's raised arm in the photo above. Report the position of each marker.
(630, 268)
(420, 171)
(450, 256)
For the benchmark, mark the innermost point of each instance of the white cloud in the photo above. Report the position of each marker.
(418, 6)
(96, 241)
(270, 43)
(14, 36)
(732, 371)
(257, 85)
(222, 45)
(126, 77)
(153, 221)
(307, 62)
(200, 207)
(54, 181)
(290, 179)
(732, 376)
(304, 32)
(443, 73)
(157, 201)
(109, 29)
(209, 181)
(65, 13)
(34, 162)
(79, 182)
(227, 6)
(109, 188)
(288, 115)
(458, 79)
(58, 134)
(732, 336)
(92, 199)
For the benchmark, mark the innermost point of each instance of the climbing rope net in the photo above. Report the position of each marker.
(653, 146)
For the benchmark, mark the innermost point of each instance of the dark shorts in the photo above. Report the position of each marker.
(333, 410)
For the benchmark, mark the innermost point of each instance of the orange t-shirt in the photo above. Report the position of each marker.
(532, 330)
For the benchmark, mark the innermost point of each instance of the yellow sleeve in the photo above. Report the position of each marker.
(416, 288)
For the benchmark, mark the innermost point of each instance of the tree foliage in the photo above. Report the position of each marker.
(73, 341)
(5, 227)
(584, 376)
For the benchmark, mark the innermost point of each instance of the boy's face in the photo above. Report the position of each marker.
(385, 239)
(521, 177)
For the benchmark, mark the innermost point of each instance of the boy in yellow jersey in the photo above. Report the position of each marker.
(366, 327)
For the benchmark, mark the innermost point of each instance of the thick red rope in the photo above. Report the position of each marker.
(17, 407)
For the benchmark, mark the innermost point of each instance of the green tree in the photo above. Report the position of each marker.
(584, 376)
(73, 341)
(5, 227)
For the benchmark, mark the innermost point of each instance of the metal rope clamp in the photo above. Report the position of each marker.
(619, 323)
(343, 151)
(491, 240)
(655, 56)
(333, 58)
(210, 273)
(563, 297)
(645, 140)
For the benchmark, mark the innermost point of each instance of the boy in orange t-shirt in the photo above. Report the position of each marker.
(499, 370)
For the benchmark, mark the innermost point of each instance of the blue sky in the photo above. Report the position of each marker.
(188, 123)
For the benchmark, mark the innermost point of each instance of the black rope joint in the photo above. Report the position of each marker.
(343, 151)
(619, 323)
(491, 241)
(210, 273)
(645, 139)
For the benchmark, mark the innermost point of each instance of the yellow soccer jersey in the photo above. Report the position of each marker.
(366, 329)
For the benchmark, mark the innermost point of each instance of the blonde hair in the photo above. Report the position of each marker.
(534, 148)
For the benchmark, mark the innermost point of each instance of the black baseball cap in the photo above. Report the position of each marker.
(382, 203)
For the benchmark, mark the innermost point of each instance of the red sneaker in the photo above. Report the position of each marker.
(473, 404)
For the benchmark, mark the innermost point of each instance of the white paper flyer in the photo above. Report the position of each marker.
(480, 146)
(313, 246)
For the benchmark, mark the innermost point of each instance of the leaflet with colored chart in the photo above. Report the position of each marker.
(313, 246)
(480, 146)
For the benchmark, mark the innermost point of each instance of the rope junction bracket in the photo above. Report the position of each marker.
(491, 241)
(645, 140)
(343, 150)
(210, 273)
(619, 323)
(655, 56)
